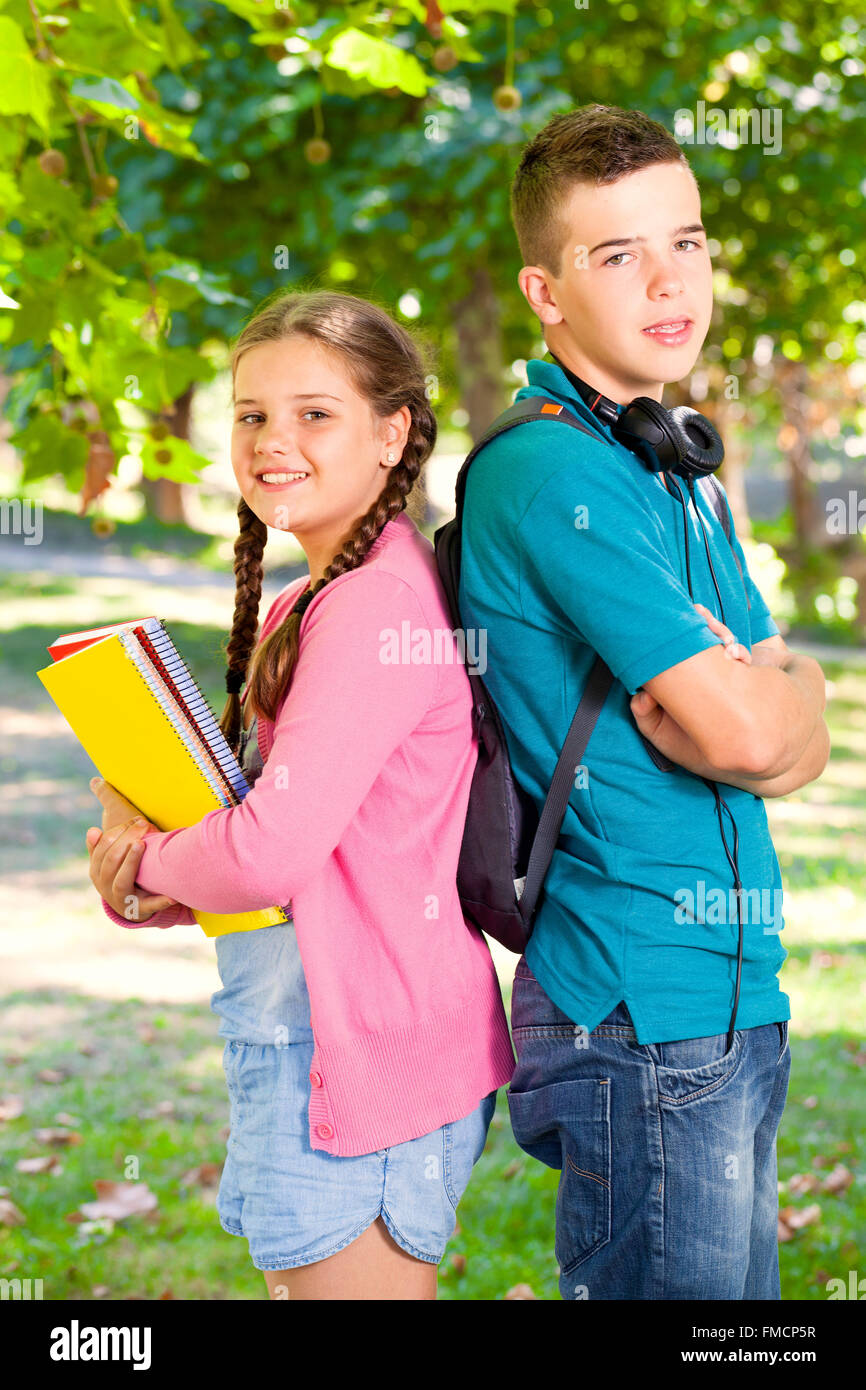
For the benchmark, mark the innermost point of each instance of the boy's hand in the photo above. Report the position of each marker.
(115, 853)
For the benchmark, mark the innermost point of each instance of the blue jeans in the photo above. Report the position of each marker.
(667, 1151)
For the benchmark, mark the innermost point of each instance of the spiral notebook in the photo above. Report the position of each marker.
(139, 715)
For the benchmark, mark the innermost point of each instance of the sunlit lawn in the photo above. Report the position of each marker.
(123, 1057)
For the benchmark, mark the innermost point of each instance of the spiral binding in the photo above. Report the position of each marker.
(151, 649)
(155, 657)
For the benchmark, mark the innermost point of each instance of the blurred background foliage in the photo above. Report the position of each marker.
(165, 166)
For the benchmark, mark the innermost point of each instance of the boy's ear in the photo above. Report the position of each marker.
(534, 285)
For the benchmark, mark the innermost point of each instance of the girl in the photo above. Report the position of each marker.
(366, 1038)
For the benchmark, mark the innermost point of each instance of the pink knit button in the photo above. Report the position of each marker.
(315, 1078)
(324, 1131)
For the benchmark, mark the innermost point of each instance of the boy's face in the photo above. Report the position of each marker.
(597, 312)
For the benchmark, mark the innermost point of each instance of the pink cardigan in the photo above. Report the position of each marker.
(357, 819)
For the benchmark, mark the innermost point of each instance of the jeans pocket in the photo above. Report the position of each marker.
(782, 1026)
(691, 1068)
(566, 1125)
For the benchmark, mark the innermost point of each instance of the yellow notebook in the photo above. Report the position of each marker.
(141, 718)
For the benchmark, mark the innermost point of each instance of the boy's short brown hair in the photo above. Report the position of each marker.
(591, 144)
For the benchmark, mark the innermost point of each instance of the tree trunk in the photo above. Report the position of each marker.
(793, 378)
(477, 319)
(732, 473)
(164, 497)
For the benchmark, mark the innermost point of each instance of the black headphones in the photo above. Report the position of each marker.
(682, 442)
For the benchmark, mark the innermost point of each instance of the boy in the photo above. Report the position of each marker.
(573, 548)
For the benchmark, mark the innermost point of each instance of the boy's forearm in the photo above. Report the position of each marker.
(807, 768)
(792, 701)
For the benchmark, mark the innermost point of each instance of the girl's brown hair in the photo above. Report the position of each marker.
(384, 363)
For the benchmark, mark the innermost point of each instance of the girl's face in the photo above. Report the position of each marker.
(307, 451)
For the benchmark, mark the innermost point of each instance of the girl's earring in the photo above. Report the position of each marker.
(390, 456)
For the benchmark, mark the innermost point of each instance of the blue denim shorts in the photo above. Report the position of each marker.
(295, 1204)
(667, 1151)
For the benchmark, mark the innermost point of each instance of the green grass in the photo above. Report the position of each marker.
(507, 1215)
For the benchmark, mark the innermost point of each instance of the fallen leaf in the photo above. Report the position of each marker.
(205, 1175)
(57, 1136)
(43, 1163)
(459, 1263)
(51, 1075)
(810, 1102)
(87, 1049)
(803, 1182)
(795, 1217)
(513, 1168)
(100, 1290)
(837, 1181)
(11, 1107)
(61, 1118)
(520, 1291)
(118, 1200)
(9, 1214)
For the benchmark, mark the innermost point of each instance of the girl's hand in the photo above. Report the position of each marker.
(115, 853)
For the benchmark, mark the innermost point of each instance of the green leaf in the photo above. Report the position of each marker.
(10, 198)
(24, 83)
(186, 463)
(104, 92)
(211, 287)
(381, 64)
(47, 446)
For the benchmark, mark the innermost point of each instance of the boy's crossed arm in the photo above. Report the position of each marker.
(757, 726)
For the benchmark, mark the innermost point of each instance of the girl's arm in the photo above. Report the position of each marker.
(348, 708)
(179, 916)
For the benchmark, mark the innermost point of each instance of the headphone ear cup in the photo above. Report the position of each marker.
(698, 441)
(646, 422)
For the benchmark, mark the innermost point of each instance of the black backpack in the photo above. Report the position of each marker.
(507, 849)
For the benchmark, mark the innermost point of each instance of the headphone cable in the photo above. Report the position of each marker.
(733, 862)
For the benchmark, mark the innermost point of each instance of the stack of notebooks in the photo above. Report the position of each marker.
(139, 715)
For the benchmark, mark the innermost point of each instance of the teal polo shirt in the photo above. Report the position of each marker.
(572, 548)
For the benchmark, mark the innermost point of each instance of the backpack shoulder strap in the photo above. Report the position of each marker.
(720, 507)
(553, 811)
(530, 408)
